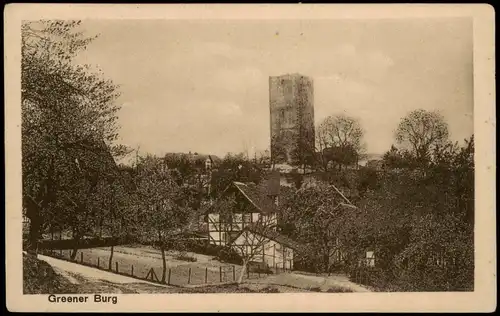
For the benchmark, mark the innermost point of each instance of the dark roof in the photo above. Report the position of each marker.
(256, 196)
(271, 183)
(272, 234)
(92, 156)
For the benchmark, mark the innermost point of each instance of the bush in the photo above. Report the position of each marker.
(227, 254)
(269, 289)
(259, 267)
(315, 289)
(40, 278)
(339, 290)
(186, 257)
(223, 288)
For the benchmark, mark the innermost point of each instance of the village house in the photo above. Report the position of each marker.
(249, 224)
(262, 245)
(251, 205)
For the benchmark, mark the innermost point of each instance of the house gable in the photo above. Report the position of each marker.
(252, 206)
(262, 248)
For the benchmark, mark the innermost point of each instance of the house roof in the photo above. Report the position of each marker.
(92, 156)
(272, 234)
(253, 193)
(256, 196)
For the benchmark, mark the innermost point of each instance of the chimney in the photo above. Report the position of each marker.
(271, 186)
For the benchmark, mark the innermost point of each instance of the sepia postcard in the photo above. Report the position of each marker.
(249, 158)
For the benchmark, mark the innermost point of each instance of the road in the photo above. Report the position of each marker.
(337, 283)
(91, 280)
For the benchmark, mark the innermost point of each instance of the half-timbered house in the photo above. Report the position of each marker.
(250, 204)
(262, 244)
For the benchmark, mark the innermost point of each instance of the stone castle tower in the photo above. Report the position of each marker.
(291, 101)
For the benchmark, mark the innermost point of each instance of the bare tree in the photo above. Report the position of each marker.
(339, 139)
(252, 242)
(421, 132)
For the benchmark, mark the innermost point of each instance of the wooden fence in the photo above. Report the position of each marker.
(183, 275)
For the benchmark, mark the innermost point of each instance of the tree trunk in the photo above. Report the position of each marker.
(34, 232)
(110, 265)
(76, 239)
(243, 270)
(100, 227)
(164, 261)
(74, 251)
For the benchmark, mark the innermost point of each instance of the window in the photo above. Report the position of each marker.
(247, 218)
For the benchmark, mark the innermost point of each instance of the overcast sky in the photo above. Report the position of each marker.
(203, 86)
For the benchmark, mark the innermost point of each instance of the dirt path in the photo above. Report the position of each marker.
(91, 280)
(334, 283)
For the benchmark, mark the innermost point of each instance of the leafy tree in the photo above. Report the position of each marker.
(114, 202)
(313, 216)
(68, 110)
(368, 179)
(163, 218)
(235, 168)
(421, 224)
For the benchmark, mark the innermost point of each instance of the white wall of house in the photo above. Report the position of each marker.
(255, 217)
(218, 232)
(270, 219)
(274, 254)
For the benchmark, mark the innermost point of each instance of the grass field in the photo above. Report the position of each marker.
(205, 270)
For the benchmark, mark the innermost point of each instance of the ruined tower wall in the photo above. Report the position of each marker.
(291, 102)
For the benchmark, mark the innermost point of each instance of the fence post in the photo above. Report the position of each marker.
(169, 273)
(132, 272)
(81, 257)
(206, 275)
(116, 264)
(98, 263)
(220, 273)
(234, 274)
(189, 276)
